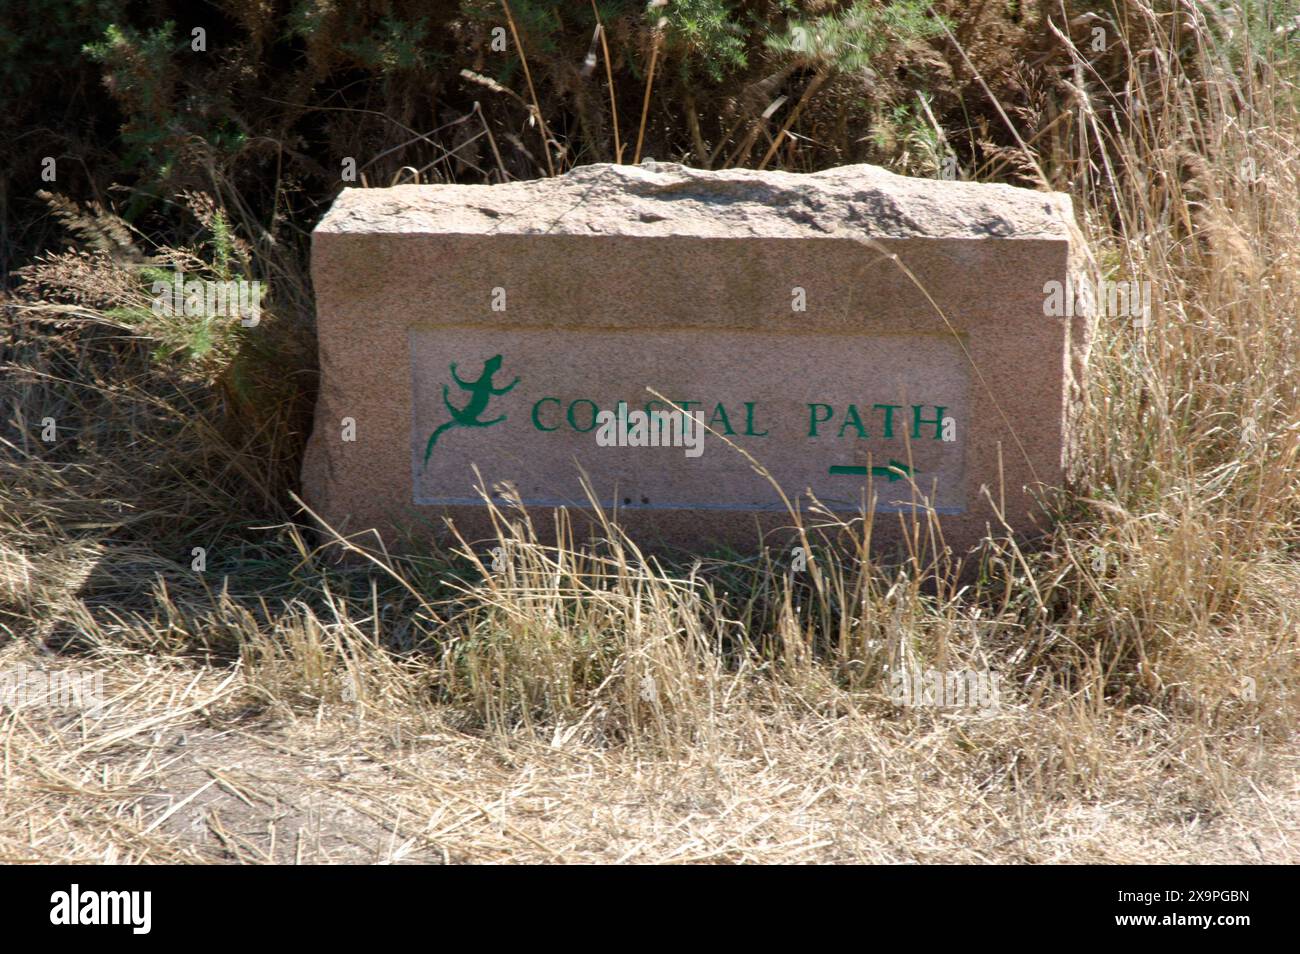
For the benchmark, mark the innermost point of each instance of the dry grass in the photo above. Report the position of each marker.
(588, 703)
(180, 770)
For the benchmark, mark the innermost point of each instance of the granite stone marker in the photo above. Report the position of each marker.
(873, 341)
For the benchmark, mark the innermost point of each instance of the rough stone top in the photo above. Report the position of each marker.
(660, 199)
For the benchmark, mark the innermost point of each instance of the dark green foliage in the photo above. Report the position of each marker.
(281, 95)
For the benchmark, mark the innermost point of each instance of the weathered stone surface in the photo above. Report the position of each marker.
(921, 370)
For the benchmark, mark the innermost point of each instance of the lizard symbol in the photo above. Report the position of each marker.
(480, 392)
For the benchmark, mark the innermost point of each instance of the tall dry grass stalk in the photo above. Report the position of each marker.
(1148, 646)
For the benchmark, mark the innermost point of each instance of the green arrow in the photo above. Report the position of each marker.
(896, 470)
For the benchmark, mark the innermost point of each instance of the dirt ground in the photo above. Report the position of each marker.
(177, 767)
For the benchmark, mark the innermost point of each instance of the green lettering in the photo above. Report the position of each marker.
(537, 422)
(574, 424)
(814, 420)
(852, 418)
(937, 421)
(889, 410)
(721, 412)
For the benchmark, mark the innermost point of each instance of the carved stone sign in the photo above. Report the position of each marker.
(696, 350)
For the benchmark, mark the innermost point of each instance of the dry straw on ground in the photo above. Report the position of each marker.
(590, 704)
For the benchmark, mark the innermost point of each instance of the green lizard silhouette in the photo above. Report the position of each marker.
(480, 391)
